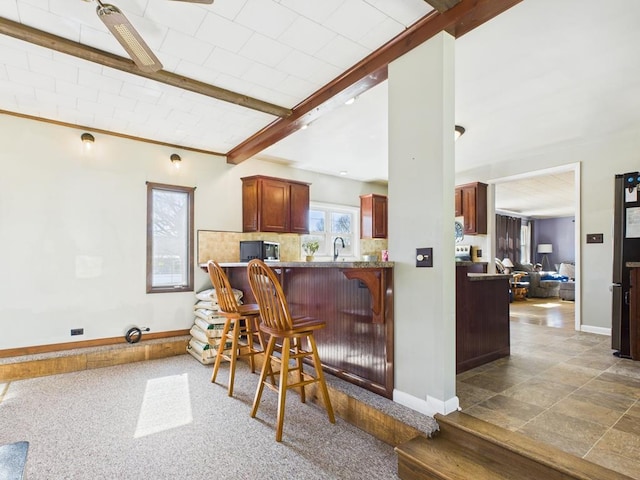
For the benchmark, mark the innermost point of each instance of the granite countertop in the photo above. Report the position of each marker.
(633, 264)
(474, 277)
(337, 264)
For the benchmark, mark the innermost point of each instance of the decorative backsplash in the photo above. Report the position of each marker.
(224, 247)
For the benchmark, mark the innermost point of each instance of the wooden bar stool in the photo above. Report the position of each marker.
(241, 324)
(278, 324)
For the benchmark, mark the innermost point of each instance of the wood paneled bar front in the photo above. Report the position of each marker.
(482, 316)
(356, 301)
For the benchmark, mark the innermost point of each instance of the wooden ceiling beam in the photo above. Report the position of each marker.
(458, 20)
(69, 47)
(442, 5)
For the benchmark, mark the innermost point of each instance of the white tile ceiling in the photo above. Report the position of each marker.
(278, 51)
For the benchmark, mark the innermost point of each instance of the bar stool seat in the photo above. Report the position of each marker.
(296, 343)
(240, 327)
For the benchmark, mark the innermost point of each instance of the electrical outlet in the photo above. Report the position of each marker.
(77, 331)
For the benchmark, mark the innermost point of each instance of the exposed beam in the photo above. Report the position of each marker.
(69, 47)
(458, 20)
(442, 5)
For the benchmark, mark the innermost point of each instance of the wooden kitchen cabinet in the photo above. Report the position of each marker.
(471, 203)
(373, 216)
(274, 205)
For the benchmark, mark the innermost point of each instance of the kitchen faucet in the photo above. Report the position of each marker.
(335, 247)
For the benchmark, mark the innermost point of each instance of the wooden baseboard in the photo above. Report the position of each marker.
(89, 358)
(99, 342)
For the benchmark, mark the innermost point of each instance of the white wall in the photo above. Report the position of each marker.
(73, 229)
(421, 213)
(600, 158)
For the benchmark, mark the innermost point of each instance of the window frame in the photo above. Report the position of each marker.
(329, 208)
(190, 191)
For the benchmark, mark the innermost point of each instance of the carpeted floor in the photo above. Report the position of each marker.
(163, 419)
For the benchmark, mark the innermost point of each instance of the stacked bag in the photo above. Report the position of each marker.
(206, 332)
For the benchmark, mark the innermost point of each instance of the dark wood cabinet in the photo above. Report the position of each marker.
(482, 318)
(274, 205)
(373, 216)
(634, 315)
(471, 203)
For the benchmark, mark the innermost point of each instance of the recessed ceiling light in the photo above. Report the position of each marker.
(350, 101)
(304, 127)
(343, 172)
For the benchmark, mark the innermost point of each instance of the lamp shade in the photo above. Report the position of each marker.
(545, 248)
(507, 263)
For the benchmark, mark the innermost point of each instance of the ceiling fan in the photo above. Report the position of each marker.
(122, 29)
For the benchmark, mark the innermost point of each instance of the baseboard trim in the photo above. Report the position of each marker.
(596, 330)
(430, 406)
(99, 342)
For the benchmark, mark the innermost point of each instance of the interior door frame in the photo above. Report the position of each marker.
(570, 167)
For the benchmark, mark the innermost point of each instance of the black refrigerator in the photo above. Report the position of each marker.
(626, 248)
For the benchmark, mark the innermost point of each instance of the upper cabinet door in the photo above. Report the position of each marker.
(373, 216)
(471, 203)
(274, 205)
(299, 208)
(273, 212)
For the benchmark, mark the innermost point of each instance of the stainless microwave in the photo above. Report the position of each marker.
(250, 249)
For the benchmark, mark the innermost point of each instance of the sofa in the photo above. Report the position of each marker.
(543, 285)
(568, 288)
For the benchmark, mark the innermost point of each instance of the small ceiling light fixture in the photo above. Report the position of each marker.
(175, 159)
(350, 101)
(343, 172)
(87, 140)
(458, 131)
(304, 127)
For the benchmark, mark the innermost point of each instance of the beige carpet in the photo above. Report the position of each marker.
(163, 419)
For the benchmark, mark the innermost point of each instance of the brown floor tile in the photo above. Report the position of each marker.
(512, 407)
(615, 462)
(635, 410)
(629, 424)
(601, 361)
(619, 384)
(540, 392)
(627, 368)
(495, 383)
(567, 374)
(469, 395)
(620, 443)
(585, 410)
(573, 435)
(495, 417)
(613, 401)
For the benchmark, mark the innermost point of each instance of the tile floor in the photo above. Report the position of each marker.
(562, 387)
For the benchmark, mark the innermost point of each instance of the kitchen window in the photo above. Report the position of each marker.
(169, 238)
(327, 222)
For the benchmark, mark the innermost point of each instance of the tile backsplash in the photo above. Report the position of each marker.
(224, 247)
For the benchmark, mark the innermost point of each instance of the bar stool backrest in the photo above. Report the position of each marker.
(274, 310)
(226, 298)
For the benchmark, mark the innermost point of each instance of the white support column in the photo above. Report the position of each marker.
(421, 214)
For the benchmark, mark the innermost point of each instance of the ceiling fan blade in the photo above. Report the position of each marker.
(128, 37)
(208, 2)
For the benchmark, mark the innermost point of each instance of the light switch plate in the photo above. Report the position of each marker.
(424, 257)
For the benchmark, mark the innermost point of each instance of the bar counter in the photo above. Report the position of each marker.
(482, 317)
(355, 299)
